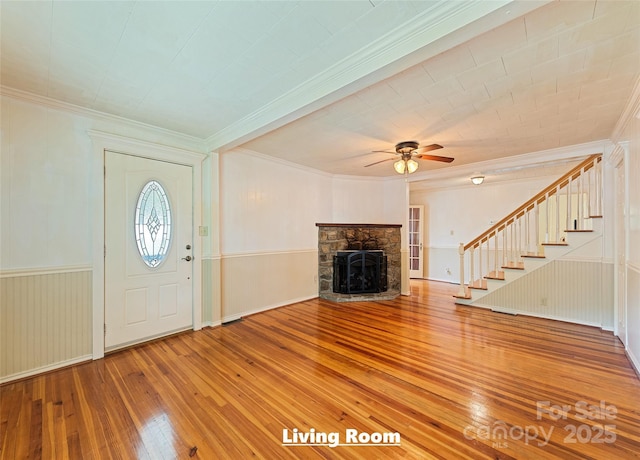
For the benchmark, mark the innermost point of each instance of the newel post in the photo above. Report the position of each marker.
(461, 292)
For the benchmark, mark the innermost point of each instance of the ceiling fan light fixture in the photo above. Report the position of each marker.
(406, 155)
(477, 179)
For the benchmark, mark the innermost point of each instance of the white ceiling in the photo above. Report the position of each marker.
(322, 83)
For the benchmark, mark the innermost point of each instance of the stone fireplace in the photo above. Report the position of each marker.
(340, 240)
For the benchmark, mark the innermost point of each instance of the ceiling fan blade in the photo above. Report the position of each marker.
(428, 148)
(435, 158)
(381, 161)
(383, 151)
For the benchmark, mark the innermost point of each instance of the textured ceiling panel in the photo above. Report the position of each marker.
(323, 83)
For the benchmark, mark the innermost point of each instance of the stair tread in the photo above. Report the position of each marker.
(533, 255)
(466, 296)
(555, 244)
(514, 265)
(579, 231)
(595, 217)
(478, 284)
(493, 275)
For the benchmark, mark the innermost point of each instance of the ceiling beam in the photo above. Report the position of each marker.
(443, 26)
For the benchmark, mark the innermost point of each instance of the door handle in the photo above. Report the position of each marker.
(188, 258)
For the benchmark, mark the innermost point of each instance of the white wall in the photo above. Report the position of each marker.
(396, 204)
(46, 158)
(45, 239)
(357, 200)
(268, 235)
(268, 205)
(457, 215)
(631, 136)
(211, 265)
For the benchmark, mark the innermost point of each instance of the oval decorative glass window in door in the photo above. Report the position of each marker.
(153, 224)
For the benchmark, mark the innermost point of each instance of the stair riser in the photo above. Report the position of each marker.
(576, 239)
(532, 263)
(492, 285)
(553, 252)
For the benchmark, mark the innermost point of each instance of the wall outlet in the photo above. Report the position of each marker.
(448, 270)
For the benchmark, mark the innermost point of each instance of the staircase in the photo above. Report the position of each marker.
(562, 218)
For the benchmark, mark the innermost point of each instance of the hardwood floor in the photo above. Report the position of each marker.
(454, 382)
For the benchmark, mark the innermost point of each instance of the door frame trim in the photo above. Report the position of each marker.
(421, 233)
(618, 161)
(120, 144)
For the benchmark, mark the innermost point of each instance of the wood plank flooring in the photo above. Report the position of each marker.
(454, 382)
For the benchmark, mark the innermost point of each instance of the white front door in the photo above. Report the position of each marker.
(415, 241)
(148, 249)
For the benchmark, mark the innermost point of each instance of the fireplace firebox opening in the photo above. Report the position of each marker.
(356, 272)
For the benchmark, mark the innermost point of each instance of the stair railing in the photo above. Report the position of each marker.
(568, 204)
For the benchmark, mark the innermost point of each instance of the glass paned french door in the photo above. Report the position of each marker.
(415, 241)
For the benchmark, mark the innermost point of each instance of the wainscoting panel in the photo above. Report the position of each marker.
(567, 290)
(260, 281)
(633, 314)
(211, 291)
(45, 320)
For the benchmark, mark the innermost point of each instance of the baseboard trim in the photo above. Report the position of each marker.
(535, 315)
(45, 369)
(440, 280)
(237, 316)
(211, 323)
(635, 363)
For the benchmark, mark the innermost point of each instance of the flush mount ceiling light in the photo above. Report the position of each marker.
(477, 179)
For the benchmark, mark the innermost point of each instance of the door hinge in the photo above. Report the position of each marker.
(105, 251)
(105, 330)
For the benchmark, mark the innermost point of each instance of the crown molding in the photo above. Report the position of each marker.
(632, 110)
(276, 160)
(180, 139)
(426, 35)
(539, 158)
(123, 144)
(616, 156)
(318, 172)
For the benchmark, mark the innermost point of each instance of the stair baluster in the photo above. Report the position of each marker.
(495, 254)
(568, 195)
(557, 195)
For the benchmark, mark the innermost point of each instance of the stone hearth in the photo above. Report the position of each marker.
(343, 237)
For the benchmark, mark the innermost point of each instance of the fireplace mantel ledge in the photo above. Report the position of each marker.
(360, 225)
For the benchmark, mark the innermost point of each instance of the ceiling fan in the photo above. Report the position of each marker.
(409, 151)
